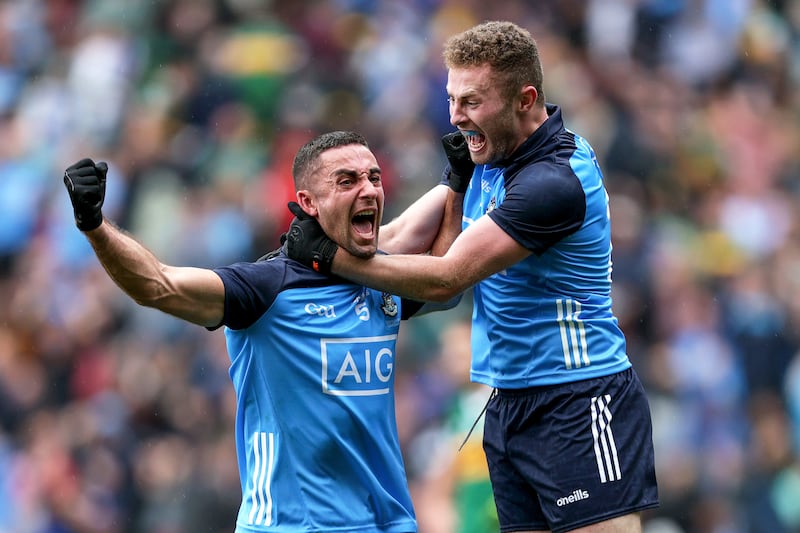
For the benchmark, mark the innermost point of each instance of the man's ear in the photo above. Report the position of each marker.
(528, 97)
(307, 202)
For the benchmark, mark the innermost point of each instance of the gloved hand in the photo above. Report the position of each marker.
(86, 185)
(307, 243)
(461, 165)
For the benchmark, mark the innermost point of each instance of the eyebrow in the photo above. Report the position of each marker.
(471, 93)
(350, 173)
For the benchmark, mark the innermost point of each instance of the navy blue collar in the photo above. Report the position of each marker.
(539, 139)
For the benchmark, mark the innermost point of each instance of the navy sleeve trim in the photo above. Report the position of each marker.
(251, 288)
(409, 308)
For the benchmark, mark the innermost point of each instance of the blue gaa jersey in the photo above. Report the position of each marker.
(547, 319)
(312, 363)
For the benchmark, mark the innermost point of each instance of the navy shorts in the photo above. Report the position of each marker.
(566, 456)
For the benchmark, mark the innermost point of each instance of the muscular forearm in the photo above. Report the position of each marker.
(451, 223)
(129, 264)
(416, 277)
(478, 252)
(193, 294)
(415, 229)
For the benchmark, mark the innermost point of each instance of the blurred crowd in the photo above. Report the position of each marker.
(119, 419)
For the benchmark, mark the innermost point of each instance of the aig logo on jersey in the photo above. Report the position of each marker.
(358, 366)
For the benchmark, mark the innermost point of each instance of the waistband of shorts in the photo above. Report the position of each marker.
(528, 391)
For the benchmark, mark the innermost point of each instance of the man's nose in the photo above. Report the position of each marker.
(368, 188)
(456, 114)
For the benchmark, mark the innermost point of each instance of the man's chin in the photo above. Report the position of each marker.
(363, 252)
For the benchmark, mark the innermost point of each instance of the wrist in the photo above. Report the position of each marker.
(457, 182)
(322, 259)
(88, 221)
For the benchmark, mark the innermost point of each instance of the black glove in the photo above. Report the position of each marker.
(461, 165)
(86, 185)
(307, 243)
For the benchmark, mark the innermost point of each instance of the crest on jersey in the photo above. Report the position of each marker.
(389, 307)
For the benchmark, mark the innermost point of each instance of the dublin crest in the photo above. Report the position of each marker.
(389, 307)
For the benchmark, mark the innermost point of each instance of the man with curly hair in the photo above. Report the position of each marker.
(568, 431)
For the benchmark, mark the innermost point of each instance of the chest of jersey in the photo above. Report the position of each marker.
(485, 194)
(338, 340)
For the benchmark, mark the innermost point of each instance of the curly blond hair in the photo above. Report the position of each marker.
(507, 48)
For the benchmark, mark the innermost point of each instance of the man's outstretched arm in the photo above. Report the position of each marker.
(193, 294)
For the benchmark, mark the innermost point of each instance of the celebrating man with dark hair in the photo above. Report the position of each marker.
(312, 356)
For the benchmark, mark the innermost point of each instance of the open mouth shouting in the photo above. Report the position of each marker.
(475, 141)
(364, 223)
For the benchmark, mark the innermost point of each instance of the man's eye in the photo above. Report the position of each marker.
(375, 178)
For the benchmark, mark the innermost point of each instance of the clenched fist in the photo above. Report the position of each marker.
(86, 184)
(459, 161)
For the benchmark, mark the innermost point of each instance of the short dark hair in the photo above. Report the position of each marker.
(507, 48)
(306, 160)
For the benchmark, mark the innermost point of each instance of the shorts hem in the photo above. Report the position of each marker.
(590, 521)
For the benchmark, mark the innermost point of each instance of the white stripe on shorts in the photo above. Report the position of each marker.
(605, 449)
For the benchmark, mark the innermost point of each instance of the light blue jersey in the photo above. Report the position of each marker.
(312, 363)
(547, 319)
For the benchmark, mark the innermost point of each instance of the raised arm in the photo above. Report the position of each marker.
(450, 227)
(416, 228)
(432, 222)
(193, 294)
